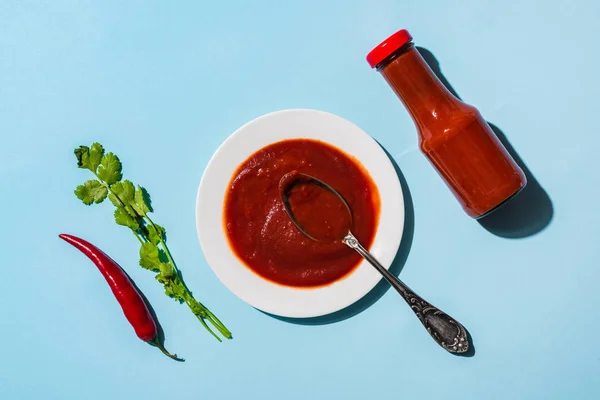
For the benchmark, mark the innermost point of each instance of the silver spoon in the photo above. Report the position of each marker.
(445, 330)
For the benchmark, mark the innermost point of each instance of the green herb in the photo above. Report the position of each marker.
(132, 206)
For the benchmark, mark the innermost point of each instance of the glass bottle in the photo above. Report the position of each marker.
(452, 135)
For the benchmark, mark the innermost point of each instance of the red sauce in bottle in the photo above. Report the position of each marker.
(452, 135)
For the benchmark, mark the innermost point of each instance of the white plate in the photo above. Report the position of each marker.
(261, 293)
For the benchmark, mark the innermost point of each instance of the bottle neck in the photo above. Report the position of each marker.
(425, 97)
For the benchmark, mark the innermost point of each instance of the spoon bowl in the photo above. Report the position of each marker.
(291, 181)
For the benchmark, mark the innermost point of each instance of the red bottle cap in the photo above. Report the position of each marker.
(388, 46)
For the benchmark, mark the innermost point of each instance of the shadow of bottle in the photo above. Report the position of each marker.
(526, 214)
(382, 287)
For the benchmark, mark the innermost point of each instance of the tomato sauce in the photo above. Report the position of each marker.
(262, 235)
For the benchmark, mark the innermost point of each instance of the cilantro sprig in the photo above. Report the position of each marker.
(132, 208)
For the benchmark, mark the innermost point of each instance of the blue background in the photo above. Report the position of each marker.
(162, 84)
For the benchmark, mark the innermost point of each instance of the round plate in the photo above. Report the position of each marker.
(250, 287)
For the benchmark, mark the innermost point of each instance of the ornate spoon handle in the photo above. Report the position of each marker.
(445, 330)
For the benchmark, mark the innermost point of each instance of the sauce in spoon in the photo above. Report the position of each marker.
(318, 211)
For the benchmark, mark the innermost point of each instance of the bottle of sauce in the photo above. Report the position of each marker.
(452, 135)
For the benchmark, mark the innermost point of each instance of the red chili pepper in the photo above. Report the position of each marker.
(133, 305)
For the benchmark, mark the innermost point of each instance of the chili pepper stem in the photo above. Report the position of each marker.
(157, 343)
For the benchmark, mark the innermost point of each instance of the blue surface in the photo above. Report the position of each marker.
(162, 84)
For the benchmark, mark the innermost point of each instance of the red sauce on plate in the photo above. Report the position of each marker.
(261, 233)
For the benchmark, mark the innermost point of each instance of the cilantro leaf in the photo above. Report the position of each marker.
(149, 257)
(122, 217)
(166, 270)
(91, 191)
(95, 156)
(156, 233)
(113, 199)
(168, 289)
(172, 288)
(110, 169)
(89, 158)
(142, 201)
(82, 154)
(125, 190)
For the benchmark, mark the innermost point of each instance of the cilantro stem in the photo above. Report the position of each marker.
(207, 313)
(138, 237)
(208, 328)
(220, 326)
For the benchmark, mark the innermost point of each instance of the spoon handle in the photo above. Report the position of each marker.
(445, 330)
